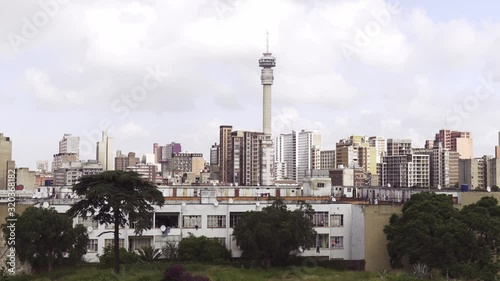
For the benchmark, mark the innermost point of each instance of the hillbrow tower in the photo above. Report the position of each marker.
(267, 62)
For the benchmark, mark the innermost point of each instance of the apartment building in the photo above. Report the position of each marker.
(70, 173)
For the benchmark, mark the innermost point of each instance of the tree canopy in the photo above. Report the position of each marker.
(119, 198)
(44, 235)
(272, 235)
(461, 243)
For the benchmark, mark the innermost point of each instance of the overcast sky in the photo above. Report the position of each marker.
(163, 71)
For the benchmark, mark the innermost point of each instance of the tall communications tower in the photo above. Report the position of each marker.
(267, 62)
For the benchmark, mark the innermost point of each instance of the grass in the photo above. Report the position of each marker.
(154, 271)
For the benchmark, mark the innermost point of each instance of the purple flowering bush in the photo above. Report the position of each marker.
(177, 273)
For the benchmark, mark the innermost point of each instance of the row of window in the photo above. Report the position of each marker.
(322, 241)
(319, 219)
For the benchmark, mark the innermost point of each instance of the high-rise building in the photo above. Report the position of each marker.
(105, 152)
(410, 170)
(214, 154)
(5, 156)
(296, 150)
(123, 161)
(473, 173)
(188, 162)
(460, 142)
(398, 147)
(493, 172)
(70, 144)
(327, 160)
(380, 145)
(225, 148)
(267, 62)
(497, 148)
(70, 172)
(356, 152)
(62, 158)
(42, 166)
(147, 172)
(444, 165)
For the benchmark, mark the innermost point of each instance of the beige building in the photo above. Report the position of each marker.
(63, 158)
(70, 144)
(356, 152)
(26, 178)
(473, 173)
(5, 156)
(105, 152)
(380, 145)
(493, 173)
(225, 160)
(70, 173)
(327, 160)
(188, 162)
(123, 161)
(460, 142)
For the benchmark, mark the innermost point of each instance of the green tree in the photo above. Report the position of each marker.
(431, 231)
(274, 234)
(119, 198)
(43, 235)
(202, 249)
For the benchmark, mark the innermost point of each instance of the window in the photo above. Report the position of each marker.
(321, 184)
(191, 221)
(111, 242)
(322, 241)
(234, 218)
(137, 243)
(92, 245)
(216, 221)
(337, 220)
(167, 219)
(320, 219)
(337, 242)
(87, 222)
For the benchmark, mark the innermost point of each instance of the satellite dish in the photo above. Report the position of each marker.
(439, 186)
(90, 229)
(388, 185)
(257, 204)
(488, 188)
(183, 204)
(163, 228)
(333, 199)
(216, 203)
(231, 201)
(301, 249)
(46, 204)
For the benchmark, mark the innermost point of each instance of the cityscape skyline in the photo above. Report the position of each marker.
(402, 85)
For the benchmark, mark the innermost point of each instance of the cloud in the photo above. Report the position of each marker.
(132, 130)
(400, 84)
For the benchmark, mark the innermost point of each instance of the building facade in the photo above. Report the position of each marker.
(105, 153)
(70, 144)
(123, 161)
(410, 170)
(327, 160)
(5, 157)
(70, 173)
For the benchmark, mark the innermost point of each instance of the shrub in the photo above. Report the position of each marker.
(202, 249)
(149, 254)
(126, 257)
(170, 251)
(177, 273)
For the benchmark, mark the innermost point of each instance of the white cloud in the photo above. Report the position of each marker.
(132, 130)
